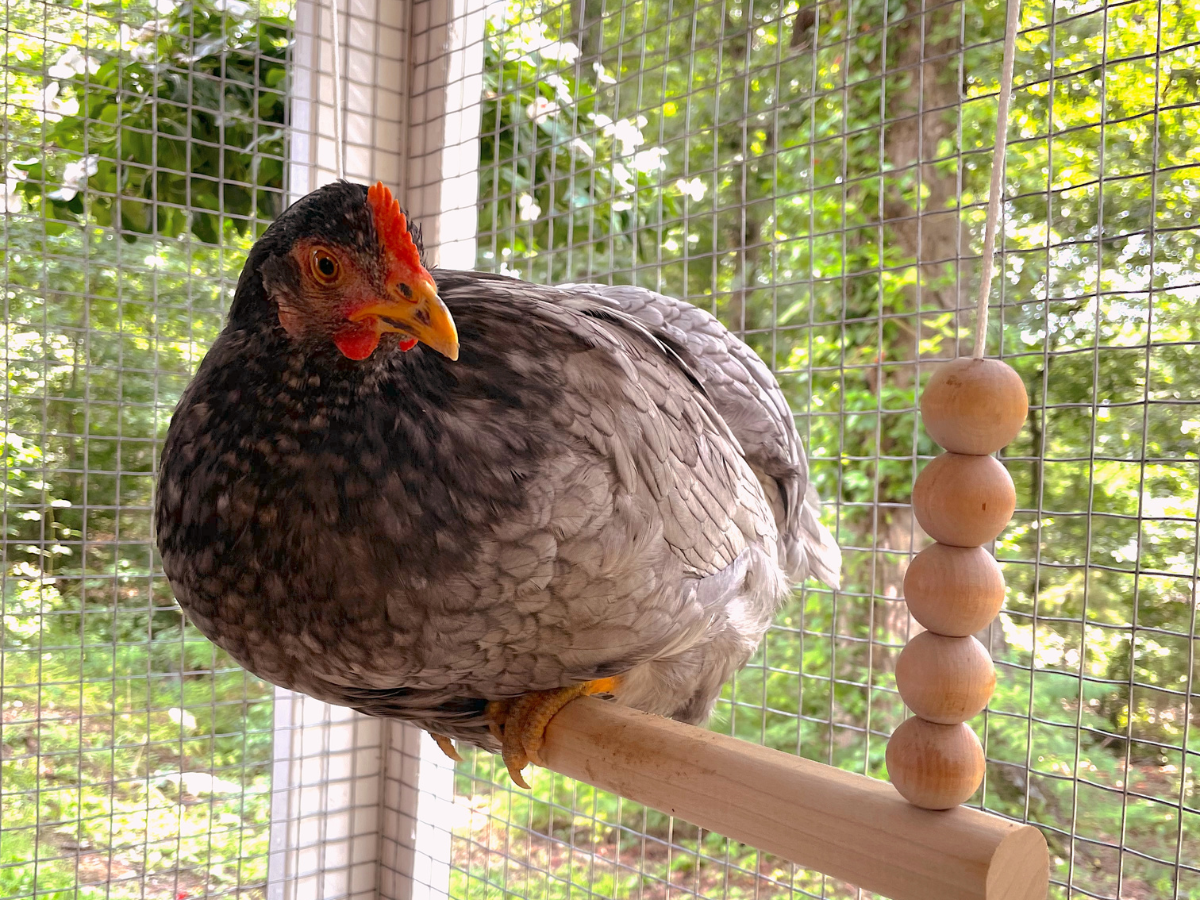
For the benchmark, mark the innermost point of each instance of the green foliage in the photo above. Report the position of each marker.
(185, 130)
(136, 758)
(93, 757)
(528, 122)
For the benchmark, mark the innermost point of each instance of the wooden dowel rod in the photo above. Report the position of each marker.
(847, 826)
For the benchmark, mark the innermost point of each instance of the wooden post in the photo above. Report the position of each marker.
(848, 826)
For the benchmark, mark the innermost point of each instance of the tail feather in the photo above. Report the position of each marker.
(810, 549)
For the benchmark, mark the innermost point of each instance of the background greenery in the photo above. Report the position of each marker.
(812, 173)
(143, 149)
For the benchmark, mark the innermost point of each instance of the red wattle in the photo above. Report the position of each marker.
(357, 343)
(408, 343)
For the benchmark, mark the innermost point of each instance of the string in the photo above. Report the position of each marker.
(999, 158)
(338, 140)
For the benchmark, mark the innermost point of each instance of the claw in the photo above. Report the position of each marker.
(497, 713)
(447, 746)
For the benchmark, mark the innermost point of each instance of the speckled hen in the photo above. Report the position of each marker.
(460, 499)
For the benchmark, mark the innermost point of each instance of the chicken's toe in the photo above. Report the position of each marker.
(522, 722)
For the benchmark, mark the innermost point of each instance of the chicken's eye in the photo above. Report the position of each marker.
(325, 267)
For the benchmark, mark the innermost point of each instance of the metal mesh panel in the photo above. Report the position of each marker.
(143, 151)
(816, 174)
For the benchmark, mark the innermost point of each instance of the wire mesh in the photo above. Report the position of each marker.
(143, 151)
(813, 173)
(816, 174)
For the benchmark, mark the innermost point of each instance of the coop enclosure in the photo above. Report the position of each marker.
(813, 172)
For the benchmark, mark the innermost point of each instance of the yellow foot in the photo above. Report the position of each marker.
(447, 746)
(520, 724)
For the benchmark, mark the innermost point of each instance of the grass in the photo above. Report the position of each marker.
(131, 771)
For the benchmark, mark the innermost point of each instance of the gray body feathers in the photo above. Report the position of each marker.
(606, 482)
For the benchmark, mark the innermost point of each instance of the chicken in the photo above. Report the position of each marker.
(461, 500)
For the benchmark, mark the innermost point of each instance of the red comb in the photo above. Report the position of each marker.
(392, 226)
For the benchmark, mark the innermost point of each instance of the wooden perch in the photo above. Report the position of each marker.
(847, 826)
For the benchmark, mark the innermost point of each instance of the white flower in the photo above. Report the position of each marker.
(694, 188)
(10, 200)
(73, 63)
(144, 50)
(650, 160)
(164, 7)
(75, 177)
(236, 8)
(602, 75)
(541, 108)
(47, 104)
(560, 51)
(579, 145)
(561, 88)
(13, 172)
(627, 134)
(182, 717)
(527, 209)
(52, 108)
(623, 178)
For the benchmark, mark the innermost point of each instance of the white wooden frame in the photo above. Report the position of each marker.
(363, 808)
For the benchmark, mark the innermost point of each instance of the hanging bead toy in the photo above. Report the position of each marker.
(972, 407)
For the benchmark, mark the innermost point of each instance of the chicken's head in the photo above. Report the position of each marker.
(342, 266)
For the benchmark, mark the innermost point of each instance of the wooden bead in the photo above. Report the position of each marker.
(954, 590)
(935, 766)
(942, 679)
(964, 501)
(974, 406)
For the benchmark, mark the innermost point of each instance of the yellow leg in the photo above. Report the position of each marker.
(520, 724)
(447, 746)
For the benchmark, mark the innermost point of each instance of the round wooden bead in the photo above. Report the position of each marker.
(962, 500)
(935, 766)
(974, 406)
(942, 679)
(954, 590)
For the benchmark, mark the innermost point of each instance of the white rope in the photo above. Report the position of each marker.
(338, 140)
(999, 157)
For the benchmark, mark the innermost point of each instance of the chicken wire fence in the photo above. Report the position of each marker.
(136, 759)
(816, 175)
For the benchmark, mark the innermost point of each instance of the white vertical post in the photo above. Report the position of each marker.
(325, 801)
(327, 788)
(440, 192)
(445, 97)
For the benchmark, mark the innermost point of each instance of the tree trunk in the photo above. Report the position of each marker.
(920, 206)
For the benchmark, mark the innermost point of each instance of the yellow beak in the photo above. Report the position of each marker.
(422, 316)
